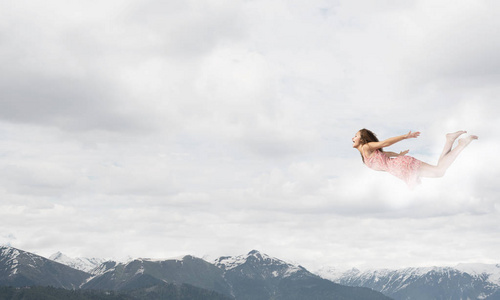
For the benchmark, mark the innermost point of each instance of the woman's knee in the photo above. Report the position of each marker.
(431, 171)
(440, 172)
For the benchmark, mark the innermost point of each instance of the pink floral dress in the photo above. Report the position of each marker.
(403, 167)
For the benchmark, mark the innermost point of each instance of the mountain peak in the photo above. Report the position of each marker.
(231, 262)
(58, 256)
(254, 252)
(79, 263)
(258, 256)
(258, 263)
(7, 250)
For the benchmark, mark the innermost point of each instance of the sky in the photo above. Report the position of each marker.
(212, 128)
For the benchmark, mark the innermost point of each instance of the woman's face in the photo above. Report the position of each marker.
(356, 140)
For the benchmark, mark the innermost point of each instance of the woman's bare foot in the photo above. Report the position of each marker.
(453, 136)
(466, 141)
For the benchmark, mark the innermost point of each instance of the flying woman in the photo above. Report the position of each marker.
(407, 168)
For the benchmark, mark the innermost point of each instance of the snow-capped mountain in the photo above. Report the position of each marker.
(20, 268)
(271, 267)
(141, 273)
(491, 271)
(254, 276)
(79, 263)
(260, 276)
(465, 281)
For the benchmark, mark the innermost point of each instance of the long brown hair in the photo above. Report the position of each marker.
(367, 136)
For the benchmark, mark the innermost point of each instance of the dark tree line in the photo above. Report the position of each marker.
(158, 292)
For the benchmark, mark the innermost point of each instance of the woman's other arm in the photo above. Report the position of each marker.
(394, 154)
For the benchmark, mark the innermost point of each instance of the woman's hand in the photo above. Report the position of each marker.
(412, 135)
(403, 153)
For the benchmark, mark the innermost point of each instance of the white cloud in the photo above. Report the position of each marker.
(207, 127)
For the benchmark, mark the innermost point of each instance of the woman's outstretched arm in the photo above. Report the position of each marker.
(394, 154)
(391, 141)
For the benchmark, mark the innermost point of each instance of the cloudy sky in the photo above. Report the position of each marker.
(211, 127)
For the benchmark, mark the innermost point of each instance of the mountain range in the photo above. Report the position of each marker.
(465, 281)
(247, 277)
(254, 276)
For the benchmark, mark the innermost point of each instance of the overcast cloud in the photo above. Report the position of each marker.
(206, 127)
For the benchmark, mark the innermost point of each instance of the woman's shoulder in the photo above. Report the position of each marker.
(367, 151)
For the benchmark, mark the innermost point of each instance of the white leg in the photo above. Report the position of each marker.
(447, 158)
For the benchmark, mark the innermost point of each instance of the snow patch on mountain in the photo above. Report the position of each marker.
(9, 252)
(177, 258)
(490, 270)
(228, 263)
(141, 269)
(79, 263)
(10, 256)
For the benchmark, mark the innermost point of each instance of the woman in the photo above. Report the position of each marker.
(405, 167)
